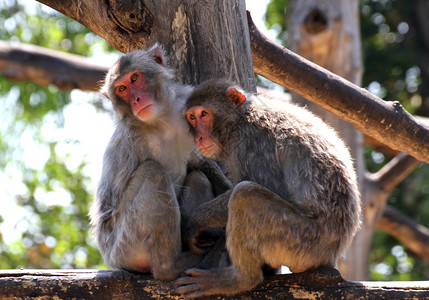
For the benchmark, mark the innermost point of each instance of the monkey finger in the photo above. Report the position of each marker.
(195, 273)
(187, 289)
(195, 248)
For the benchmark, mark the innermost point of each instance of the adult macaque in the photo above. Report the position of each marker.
(135, 215)
(295, 201)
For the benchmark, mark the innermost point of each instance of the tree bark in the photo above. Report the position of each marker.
(183, 28)
(91, 284)
(385, 121)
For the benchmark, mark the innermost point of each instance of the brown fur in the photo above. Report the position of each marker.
(295, 201)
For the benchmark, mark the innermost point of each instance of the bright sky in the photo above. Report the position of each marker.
(82, 123)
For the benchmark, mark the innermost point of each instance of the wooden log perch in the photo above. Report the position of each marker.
(95, 284)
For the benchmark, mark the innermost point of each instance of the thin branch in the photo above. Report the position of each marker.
(379, 185)
(394, 172)
(413, 236)
(385, 121)
(24, 62)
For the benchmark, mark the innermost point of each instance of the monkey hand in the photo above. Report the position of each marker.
(200, 241)
(197, 282)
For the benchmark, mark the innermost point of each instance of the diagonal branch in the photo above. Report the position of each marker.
(413, 236)
(394, 172)
(23, 62)
(385, 121)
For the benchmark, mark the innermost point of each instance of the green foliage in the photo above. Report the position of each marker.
(391, 51)
(52, 195)
(392, 61)
(276, 18)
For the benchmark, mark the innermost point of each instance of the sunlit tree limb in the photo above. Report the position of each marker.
(387, 122)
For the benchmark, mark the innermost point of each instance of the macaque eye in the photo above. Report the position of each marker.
(204, 113)
(122, 88)
(192, 117)
(134, 77)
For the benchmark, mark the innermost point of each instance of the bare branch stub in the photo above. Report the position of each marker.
(132, 16)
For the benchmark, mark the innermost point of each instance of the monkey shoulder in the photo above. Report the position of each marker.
(305, 144)
(291, 123)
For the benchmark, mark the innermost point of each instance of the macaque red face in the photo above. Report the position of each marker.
(131, 88)
(202, 120)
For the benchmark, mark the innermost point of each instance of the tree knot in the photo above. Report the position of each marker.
(397, 107)
(132, 16)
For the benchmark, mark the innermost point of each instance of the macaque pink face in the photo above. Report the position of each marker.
(201, 119)
(131, 88)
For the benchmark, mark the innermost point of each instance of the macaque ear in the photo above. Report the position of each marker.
(236, 96)
(158, 55)
(104, 91)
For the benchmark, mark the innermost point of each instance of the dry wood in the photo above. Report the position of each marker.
(205, 40)
(92, 284)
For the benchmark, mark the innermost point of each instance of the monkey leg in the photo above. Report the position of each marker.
(197, 189)
(148, 223)
(261, 228)
(218, 181)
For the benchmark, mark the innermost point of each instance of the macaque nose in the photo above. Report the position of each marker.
(136, 100)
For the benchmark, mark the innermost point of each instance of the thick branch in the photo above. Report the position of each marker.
(101, 21)
(385, 121)
(413, 236)
(90, 284)
(23, 62)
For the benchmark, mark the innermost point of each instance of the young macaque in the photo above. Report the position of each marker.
(295, 201)
(135, 215)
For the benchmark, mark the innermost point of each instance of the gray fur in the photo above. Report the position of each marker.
(295, 201)
(135, 215)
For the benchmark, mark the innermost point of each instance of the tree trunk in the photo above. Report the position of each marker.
(203, 39)
(327, 33)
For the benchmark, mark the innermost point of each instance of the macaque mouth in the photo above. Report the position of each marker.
(144, 107)
(206, 147)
